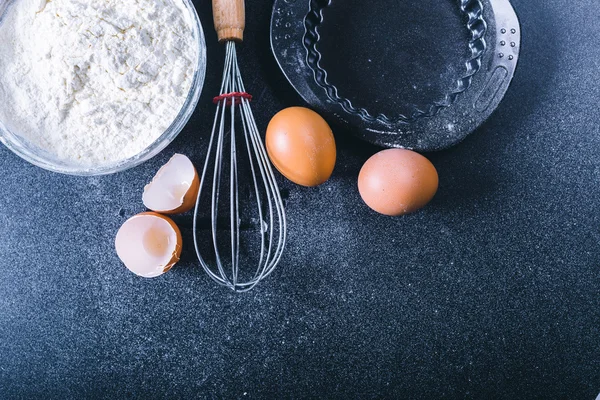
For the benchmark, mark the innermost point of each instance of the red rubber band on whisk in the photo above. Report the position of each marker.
(233, 96)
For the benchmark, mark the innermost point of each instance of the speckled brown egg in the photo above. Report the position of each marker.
(396, 182)
(301, 146)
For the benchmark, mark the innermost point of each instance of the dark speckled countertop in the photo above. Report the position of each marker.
(493, 291)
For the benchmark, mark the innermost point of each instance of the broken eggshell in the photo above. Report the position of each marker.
(174, 188)
(149, 244)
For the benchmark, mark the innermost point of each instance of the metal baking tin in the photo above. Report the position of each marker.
(480, 73)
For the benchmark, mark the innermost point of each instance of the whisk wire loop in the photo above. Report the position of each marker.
(273, 230)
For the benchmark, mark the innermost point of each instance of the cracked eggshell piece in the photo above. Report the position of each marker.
(174, 188)
(149, 244)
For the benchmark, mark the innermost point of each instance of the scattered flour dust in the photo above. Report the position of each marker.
(94, 82)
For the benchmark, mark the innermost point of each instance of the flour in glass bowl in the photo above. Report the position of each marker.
(94, 82)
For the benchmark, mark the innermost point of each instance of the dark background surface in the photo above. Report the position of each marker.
(492, 291)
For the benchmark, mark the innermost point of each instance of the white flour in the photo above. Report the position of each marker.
(94, 81)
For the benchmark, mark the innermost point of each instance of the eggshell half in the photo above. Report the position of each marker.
(149, 244)
(174, 188)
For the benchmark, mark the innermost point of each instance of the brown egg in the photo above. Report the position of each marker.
(397, 182)
(301, 146)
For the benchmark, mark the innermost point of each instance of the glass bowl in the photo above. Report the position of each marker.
(48, 161)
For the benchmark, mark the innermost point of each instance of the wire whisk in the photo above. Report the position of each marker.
(226, 261)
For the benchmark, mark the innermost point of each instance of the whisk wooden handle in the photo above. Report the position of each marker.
(230, 19)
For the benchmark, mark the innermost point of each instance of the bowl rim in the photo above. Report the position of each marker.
(46, 161)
